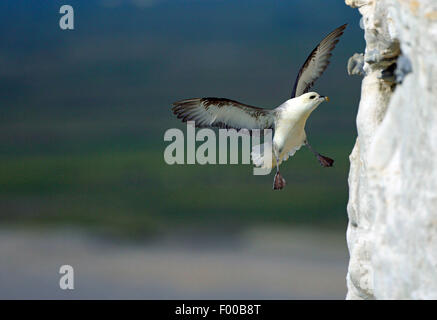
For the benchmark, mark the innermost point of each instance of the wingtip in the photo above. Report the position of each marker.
(339, 31)
(342, 27)
(176, 103)
(179, 102)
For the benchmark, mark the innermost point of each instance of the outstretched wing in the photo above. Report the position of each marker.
(223, 113)
(316, 63)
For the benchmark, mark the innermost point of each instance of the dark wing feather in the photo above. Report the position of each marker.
(316, 63)
(223, 113)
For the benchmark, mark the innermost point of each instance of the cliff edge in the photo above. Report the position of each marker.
(392, 231)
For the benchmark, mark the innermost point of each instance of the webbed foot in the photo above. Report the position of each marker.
(325, 161)
(278, 182)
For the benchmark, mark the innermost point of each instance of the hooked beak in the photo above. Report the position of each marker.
(324, 97)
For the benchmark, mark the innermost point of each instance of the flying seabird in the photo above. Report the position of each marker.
(287, 120)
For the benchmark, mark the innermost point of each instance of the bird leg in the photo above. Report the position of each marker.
(279, 181)
(324, 161)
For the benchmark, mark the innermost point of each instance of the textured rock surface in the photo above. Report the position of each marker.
(392, 232)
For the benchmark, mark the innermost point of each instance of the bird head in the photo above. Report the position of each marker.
(311, 100)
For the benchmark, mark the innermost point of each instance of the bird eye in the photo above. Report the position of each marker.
(312, 97)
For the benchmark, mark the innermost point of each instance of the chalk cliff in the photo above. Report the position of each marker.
(392, 231)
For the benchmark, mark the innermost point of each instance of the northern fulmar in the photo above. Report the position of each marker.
(287, 120)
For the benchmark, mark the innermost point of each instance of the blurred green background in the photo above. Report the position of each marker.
(83, 113)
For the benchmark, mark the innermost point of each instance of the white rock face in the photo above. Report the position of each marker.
(392, 232)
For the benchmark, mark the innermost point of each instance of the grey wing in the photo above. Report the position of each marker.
(223, 113)
(316, 63)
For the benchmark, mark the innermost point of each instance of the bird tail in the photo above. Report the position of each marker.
(260, 158)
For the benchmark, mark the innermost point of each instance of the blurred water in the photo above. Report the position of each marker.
(257, 264)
